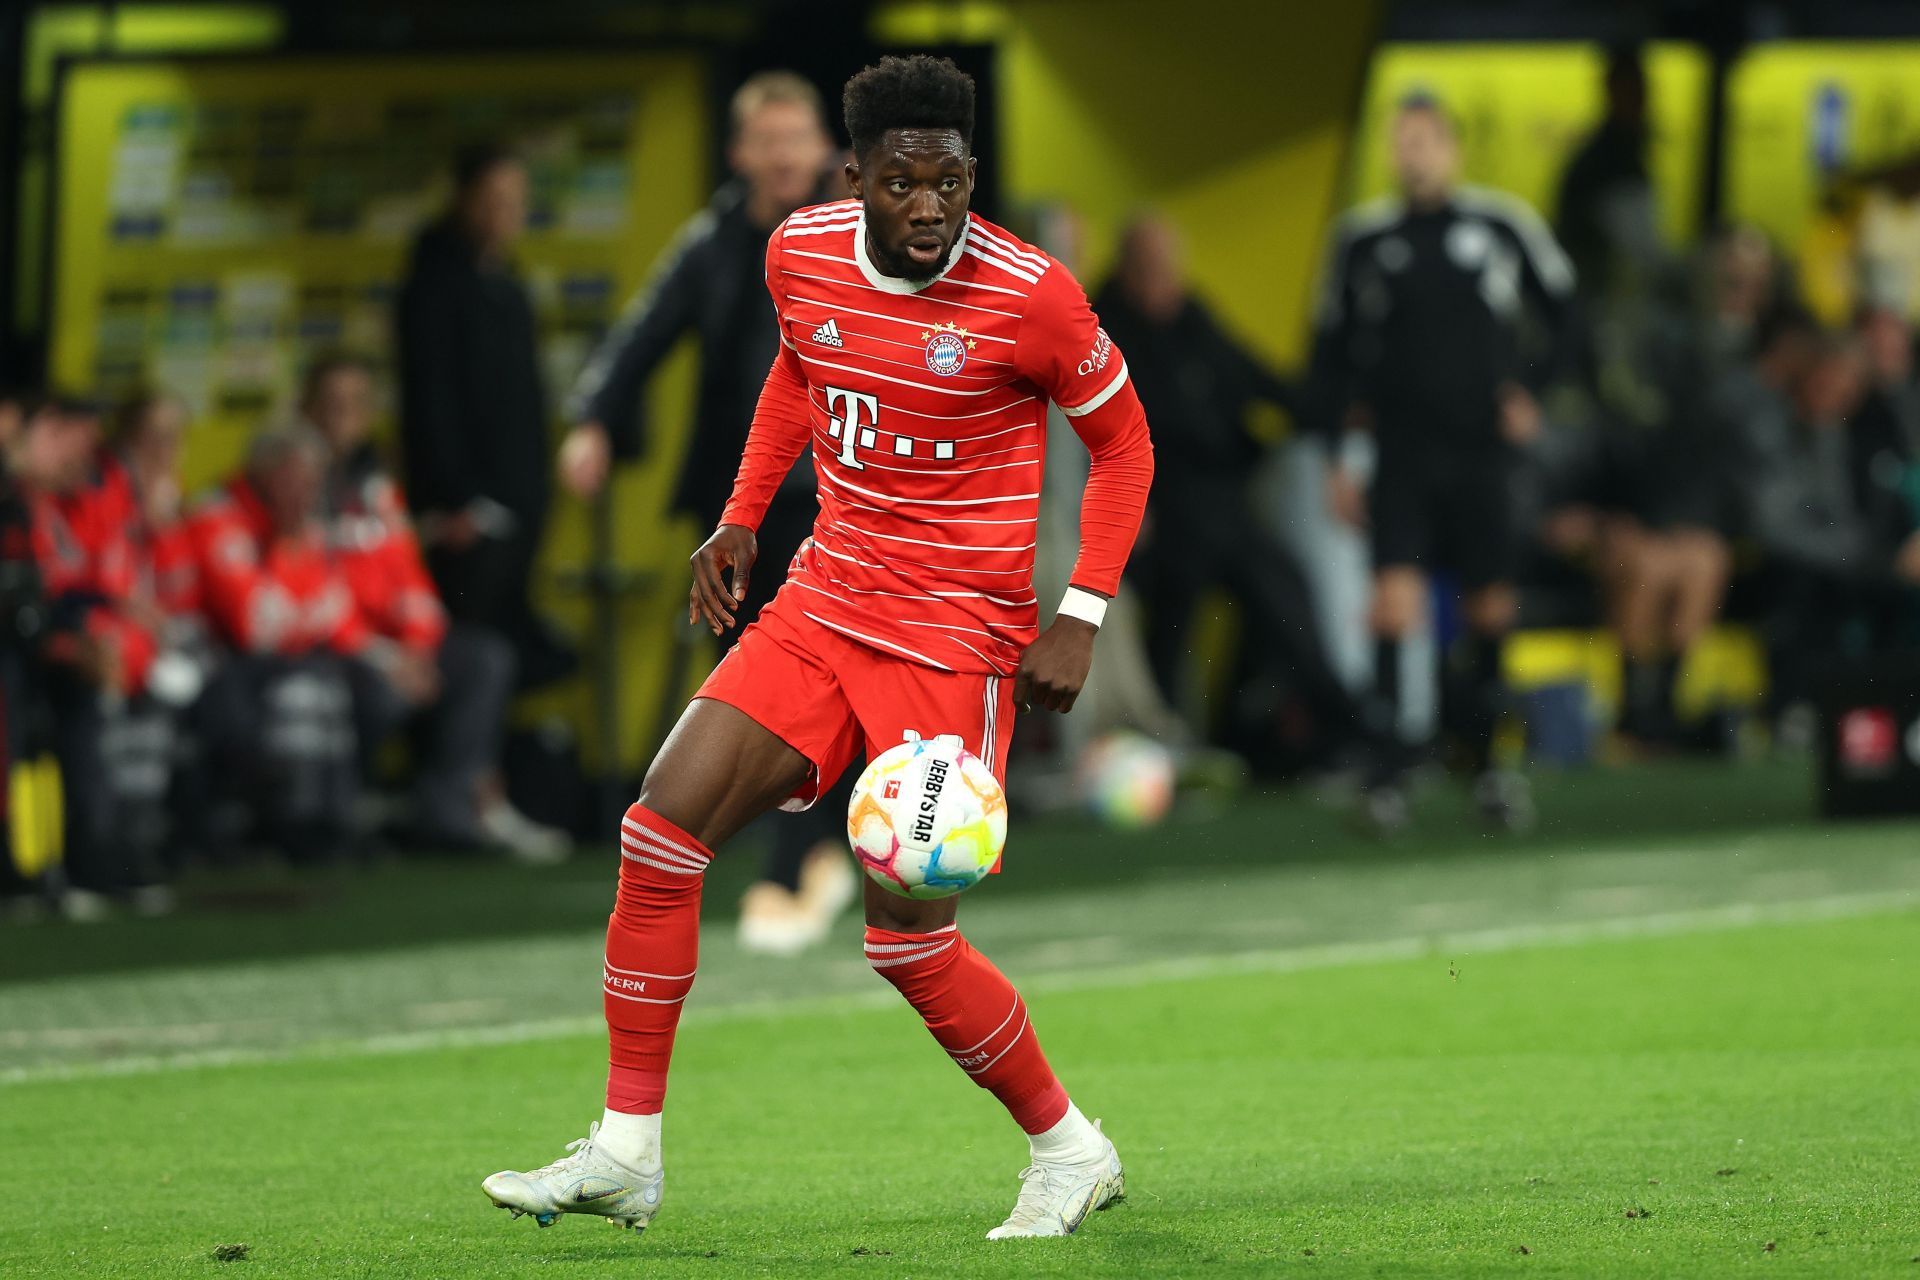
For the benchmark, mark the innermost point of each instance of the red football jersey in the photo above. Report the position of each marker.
(926, 406)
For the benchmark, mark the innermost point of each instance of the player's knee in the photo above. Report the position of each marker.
(1396, 604)
(1491, 610)
(658, 856)
(908, 915)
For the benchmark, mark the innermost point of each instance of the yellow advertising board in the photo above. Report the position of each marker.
(1524, 108)
(1801, 113)
(219, 222)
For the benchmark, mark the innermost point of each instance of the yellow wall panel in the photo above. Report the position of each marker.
(1523, 109)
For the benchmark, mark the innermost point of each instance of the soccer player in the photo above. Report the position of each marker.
(1419, 327)
(920, 346)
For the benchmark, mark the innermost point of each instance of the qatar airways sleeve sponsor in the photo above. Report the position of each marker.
(1063, 349)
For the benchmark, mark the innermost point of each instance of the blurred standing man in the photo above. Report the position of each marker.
(711, 281)
(1197, 384)
(1419, 332)
(473, 411)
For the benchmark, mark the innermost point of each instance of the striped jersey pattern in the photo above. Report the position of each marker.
(926, 407)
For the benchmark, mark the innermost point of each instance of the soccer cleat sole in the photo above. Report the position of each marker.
(634, 1225)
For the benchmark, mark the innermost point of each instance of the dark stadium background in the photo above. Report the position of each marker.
(1669, 1030)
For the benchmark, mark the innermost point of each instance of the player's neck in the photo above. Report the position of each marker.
(765, 211)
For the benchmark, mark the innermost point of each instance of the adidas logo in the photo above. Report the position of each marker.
(828, 334)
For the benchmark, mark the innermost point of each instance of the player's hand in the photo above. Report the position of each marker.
(1519, 415)
(1346, 500)
(101, 662)
(712, 601)
(586, 456)
(1054, 668)
(1907, 563)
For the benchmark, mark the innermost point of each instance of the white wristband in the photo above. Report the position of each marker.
(1084, 605)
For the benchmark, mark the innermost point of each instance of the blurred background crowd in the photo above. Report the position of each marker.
(392, 560)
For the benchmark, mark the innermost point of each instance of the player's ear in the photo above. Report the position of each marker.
(853, 179)
(973, 169)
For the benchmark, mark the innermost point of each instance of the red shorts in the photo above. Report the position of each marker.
(835, 700)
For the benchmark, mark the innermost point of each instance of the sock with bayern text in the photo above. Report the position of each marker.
(976, 1016)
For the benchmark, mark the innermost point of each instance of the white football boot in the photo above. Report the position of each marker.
(1056, 1197)
(585, 1180)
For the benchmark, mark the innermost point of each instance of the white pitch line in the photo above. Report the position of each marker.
(1738, 915)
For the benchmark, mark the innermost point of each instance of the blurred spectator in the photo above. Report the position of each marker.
(1838, 581)
(97, 653)
(23, 624)
(1680, 463)
(711, 281)
(1885, 431)
(473, 411)
(460, 676)
(1420, 334)
(1608, 221)
(280, 716)
(1198, 386)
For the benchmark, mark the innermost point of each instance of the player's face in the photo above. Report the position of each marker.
(1831, 388)
(342, 407)
(1425, 156)
(495, 207)
(155, 447)
(781, 151)
(57, 449)
(915, 185)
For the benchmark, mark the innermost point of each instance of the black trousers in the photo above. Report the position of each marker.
(115, 759)
(457, 738)
(1210, 538)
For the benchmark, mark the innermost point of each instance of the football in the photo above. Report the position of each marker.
(1126, 780)
(927, 819)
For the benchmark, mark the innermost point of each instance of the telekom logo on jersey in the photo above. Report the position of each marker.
(853, 418)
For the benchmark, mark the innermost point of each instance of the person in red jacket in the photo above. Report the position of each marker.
(458, 797)
(294, 714)
(95, 655)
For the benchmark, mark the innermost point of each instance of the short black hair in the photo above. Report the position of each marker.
(1427, 102)
(920, 92)
(329, 362)
(476, 160)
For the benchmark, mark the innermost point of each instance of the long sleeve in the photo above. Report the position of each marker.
(609, 388)
(1330, 386)
(1547, 278)
(433, 382)
(1063, 350)
(781, 430)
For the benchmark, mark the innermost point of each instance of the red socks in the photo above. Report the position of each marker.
(653, 949)
(976, 1015)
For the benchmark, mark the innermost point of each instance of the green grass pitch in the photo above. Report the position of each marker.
(1565, 1058)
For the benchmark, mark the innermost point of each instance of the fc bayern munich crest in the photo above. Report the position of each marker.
(947, 347)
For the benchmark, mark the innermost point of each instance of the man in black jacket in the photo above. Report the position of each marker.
(1198, 385)
(711, 282)
(473, 411)
(1420, 331)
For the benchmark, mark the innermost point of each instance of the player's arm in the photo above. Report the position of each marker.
(1547, 282)
(604, 405)
(1065, 352)
(432, 416)
(1326, 404)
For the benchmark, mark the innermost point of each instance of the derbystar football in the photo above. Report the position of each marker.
(927, 818)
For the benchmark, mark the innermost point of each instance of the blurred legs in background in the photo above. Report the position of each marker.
(1667, 589)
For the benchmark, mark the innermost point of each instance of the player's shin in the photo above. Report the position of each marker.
(980, 1020)
(653, 942)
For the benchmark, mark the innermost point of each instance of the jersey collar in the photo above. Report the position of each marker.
(897, 284)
